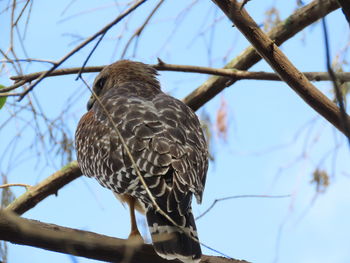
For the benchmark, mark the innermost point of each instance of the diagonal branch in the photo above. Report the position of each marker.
(49, 186)
(345, 6)
(288, 28)
(81, 243)
(138, 32)
(336, 84)
(282, 66)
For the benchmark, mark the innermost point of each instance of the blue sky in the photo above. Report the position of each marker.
(275, 141)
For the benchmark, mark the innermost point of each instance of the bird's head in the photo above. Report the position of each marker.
(121, 72)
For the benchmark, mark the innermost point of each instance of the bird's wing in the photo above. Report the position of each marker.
(166, 142)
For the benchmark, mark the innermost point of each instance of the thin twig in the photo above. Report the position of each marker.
(138, 32)
(237, 197)
(80, 46)
(244, 3)
(57, 72)
(231, 73)
(21, 13)
(14, 86)
(90, 54)
(337, 91)
(161, 66)
(29, 60)
(27, 186)
(2, 95)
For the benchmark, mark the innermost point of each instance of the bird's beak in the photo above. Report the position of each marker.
(90, 102)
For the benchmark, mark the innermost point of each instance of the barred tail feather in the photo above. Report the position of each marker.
(170, 242)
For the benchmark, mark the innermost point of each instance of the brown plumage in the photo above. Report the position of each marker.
(166, 141)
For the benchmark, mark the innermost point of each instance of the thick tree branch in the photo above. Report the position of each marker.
(81, 243)
(281, 64)
(295, 23)
(49, 186)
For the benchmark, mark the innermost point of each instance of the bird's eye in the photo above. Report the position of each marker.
(99, 85)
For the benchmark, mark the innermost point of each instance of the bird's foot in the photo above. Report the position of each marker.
(135, 238)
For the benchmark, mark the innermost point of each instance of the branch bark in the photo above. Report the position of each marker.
(295, 23)
(224, 72)
(233, 74)
(281, 65)
(81, 243)
(47, 187)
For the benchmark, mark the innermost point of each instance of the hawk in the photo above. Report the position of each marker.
(166, 143)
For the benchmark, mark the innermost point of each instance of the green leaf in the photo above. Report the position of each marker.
(2, 99)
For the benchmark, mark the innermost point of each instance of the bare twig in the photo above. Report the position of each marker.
(10, 95)
(138, 32)
(242, 74)
(161, 66)
(296, 22)
(57, 72)
(80, 243)
(21, 13)
(14, 86)
(337, 91)
(83, 44)
(26, 186)
(90, 54)
(49, 186)
(244, 3)
(29, 60)
(281, 64)
(237, 197)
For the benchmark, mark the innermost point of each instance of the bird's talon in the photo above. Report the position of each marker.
(135, 238)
